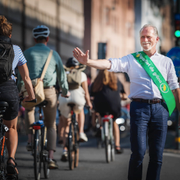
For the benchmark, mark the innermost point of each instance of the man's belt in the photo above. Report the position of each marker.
(48, 87)
(149, 101)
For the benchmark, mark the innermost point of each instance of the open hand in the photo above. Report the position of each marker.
(80, 56)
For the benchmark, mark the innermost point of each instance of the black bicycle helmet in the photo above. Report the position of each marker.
(41, 31)
(72, 62)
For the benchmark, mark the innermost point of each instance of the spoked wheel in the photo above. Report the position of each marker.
(107, 149)
(45, 167)
(112, 151)
(71, 154)
(45, 154)
(76, 160)
(37, 155)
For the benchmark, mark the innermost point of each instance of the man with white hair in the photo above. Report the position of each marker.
(154, 92)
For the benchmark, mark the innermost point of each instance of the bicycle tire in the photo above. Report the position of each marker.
(44, 153)
(37, 155)
(71, 147)
(76, 158)
(107, 149)
(112, 151)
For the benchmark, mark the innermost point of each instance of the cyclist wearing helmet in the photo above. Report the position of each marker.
(79, 96)
(36, 58)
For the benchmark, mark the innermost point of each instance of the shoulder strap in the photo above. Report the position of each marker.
(46, 65)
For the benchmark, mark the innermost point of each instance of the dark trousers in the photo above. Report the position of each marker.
(151, 120)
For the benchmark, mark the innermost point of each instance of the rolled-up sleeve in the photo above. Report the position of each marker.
(171, 77)
(61, 76)
(120, 64)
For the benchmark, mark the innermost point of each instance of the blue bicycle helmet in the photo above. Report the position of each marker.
(41, 31)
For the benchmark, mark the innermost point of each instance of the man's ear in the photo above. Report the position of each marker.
(47, 39)
(35, 40)
(157, 38)
(10, 35)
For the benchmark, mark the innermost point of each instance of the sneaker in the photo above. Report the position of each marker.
(83, 137)
(52, 164)
(29, 147)
(64, 156)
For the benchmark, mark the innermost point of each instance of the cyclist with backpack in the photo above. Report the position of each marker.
(78, 86)
(10, 57)
(36, 58)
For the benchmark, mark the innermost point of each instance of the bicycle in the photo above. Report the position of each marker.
(39, 149)
(73, 140)
(107, 137)
(3, 130)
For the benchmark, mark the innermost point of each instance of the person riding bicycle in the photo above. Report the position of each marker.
(106, 91)
(36, 58)
(79, 96)
(9, 93)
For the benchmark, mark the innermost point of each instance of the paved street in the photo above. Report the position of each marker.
(92, 163)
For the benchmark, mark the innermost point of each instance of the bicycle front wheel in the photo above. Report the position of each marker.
(71, 154)
(37, 154)
(45, 153)
(76, 160)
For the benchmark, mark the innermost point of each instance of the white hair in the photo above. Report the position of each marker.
(149, 25)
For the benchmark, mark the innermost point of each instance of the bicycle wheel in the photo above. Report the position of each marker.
(37, 154)
(45, 153)
(76, 159)
(107, 142)
(112, 151)
(71, 147)
(107, 149)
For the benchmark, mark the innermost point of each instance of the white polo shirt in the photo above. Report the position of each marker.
(141, 85)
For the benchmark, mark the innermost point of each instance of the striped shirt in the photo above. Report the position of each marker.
(19, 59)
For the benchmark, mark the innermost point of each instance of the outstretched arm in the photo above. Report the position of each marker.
(83, 58)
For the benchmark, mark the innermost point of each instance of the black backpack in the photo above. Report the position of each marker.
(6, 58)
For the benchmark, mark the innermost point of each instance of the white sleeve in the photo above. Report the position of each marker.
(120, 64)
(172, 79)
(83, 77)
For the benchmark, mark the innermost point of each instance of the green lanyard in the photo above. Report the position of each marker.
(144, 60)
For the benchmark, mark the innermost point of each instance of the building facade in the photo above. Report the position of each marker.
(65, 18)
(110, 22)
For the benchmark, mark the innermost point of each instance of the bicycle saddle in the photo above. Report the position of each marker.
(44, 103)
(71, 105)
(3, 104)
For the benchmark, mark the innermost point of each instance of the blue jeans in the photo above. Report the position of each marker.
(146, 119)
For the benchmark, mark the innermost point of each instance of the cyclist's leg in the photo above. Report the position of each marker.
(116, 132)
(50, 120)
(29, 119)
(12, 139)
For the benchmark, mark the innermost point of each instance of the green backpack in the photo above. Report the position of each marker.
(74, 76)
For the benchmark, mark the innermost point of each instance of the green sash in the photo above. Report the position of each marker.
(144, 60)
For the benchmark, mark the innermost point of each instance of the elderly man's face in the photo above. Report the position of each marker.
(148, 39)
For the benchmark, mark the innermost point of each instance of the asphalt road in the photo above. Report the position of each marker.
(92, 163)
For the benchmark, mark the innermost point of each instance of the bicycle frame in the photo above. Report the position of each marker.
(40, 142)
(3, 130)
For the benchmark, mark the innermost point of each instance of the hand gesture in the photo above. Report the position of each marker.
(80, 56)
